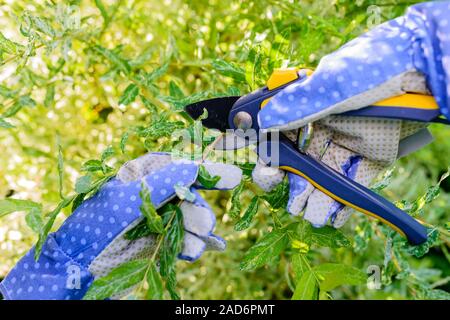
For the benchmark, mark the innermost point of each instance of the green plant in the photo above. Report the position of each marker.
(89, 85)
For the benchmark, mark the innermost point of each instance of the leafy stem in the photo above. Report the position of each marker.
(160, 241)
(211, 147)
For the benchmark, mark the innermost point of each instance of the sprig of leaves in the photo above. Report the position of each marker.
(268, 247)
(143, 274)
(246, 219)
(84, 186)
(154, 221)
(326, 277)
(206, 179)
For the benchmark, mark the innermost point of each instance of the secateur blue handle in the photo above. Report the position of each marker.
(345, 190)
(324, 178)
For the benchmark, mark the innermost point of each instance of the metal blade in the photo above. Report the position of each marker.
(218, 110)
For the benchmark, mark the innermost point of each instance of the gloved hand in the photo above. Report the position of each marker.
(92, 238)
(408, 54)
(380, 64)
(357, 147)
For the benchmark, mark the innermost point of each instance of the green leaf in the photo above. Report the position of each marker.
(171, 284)
(233, 91)
(149, 105)
(123, 277)
(306, 288)
(253, 68)
(437, 294)
(139, 231)
(269, 246)
(48, 226)
(279, 196)
(11, 111)
(5, 124)
(172, 245)
(422, 249)
(247, 218)
(329, 237)
(175, 90)
(184, 193)
(178, 104)
(384, 181)
(206, 179)
(10, 205)
(335, 275)
(299, 265)
(154, 221)
(9, 46)
(103, 11)
(203, 116)
(78, 201)
(154, 281)
(161, 127)
(83, 184)
(156, 73)
(143, 58)
(42, 25)
(23, 101)
(34, 219)
(60, 166)
(123, 142)
(235, 210)
(431, 194)
(114, 58)
(107, 153)
(129, 95)
(247, 168)
(229, 70)
(304, 232)
(49, 96)
(26, 101)
(6, 92)
(173, 239)
(92, 166)
(196, 132)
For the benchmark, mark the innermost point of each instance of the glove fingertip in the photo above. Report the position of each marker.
(314, 222)
(214, 242)
(341, 217)
(267, 178)
(230, 175)
(161, 182)
(193, 248)
(198, 217)
(299, 190)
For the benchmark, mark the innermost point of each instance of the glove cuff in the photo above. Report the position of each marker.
(55, 276)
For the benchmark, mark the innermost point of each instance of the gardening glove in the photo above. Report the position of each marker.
(371, 68)
(357, 147)
(408, 54)
(91, 242)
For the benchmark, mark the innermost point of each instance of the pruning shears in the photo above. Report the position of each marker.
(240, 114)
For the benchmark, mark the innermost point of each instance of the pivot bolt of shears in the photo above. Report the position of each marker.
(243, 120)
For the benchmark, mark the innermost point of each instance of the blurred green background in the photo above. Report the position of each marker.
(75, 94)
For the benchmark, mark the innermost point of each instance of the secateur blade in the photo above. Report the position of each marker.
(218, 110)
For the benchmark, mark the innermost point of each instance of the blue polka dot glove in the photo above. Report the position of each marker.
(408, 54)
(371, 68)
(359, 148)
(91, 241)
